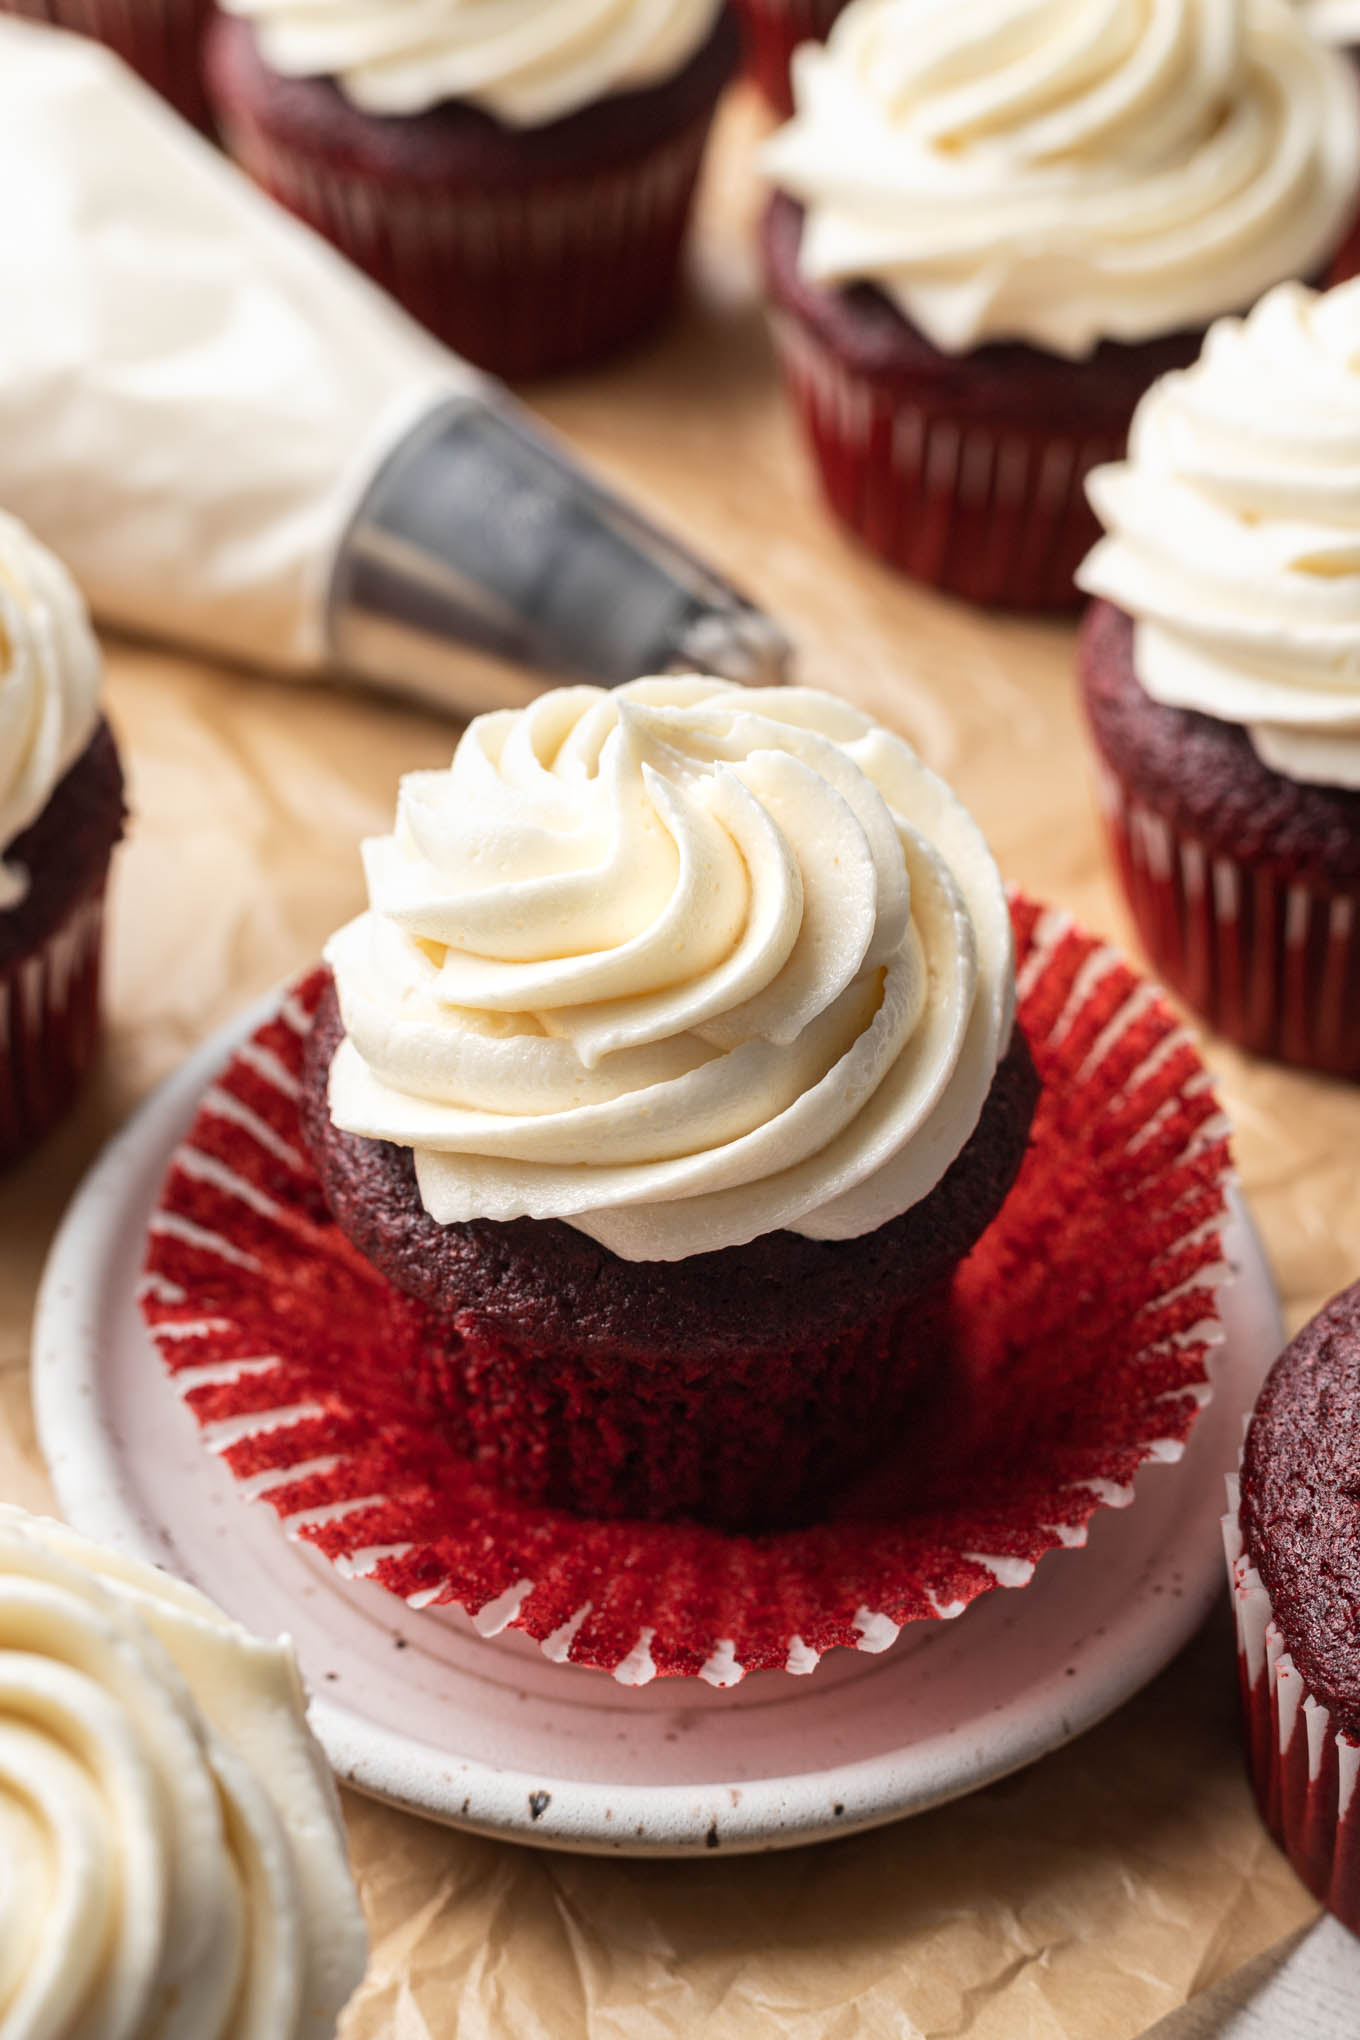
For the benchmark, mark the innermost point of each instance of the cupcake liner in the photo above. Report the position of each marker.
(991, 511)
(1271, 963)
(160, 39)
(298, 1361)
(771, 32)
(522, 282)
(1303, 1772)
(49, 1026)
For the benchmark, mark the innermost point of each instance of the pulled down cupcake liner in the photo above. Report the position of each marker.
(1272, 964)
(49, 1026)
(160, 39)
(522, 282)
(1304, 1773)
(989, 510)
(771, 32)
(1089, 1309)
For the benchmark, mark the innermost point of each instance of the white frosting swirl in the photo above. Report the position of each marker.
(50, 674)
(680, 963)
(171, 1856)
(1234, 532)
(1334, 21)
(1066, 171)
(526, 61)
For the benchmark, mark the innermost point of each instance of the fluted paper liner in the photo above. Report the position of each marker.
(1089, 1308)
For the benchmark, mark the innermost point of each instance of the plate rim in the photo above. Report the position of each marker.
(89, 1477)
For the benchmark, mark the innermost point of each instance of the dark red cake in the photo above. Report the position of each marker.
(771, 32)
(161, 39)
(1244, 884)
(529, 250)
(1294, 1549)
(589, 1381)
(50, 946)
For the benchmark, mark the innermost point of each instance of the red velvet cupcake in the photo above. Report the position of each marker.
(974, 277)
(1294, 1565)
(61, 813)
(771, 31)
(1219, 674)
(522, 187)
(161, 39)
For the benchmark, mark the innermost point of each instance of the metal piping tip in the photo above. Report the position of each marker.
(744, 646)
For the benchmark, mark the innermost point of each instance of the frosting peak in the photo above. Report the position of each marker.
(1234, 532)
(50, 674)
(680, 964)
(526, 61)
(1066, 171)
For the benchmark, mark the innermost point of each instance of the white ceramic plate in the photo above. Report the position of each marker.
(484, 1732)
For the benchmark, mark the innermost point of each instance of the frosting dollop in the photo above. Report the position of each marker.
(679, 963)
(526, 61)
(1066, 171)
(50, 673)
(171, 1855)
(1233, 532)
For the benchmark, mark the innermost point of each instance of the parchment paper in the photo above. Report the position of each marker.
(1081, 1900)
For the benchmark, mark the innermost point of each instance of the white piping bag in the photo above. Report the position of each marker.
(237, 442)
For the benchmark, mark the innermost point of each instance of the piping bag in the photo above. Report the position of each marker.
(237, 442)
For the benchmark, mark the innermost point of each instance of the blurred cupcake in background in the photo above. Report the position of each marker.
(772, 30)
(161, 39)
(518, 173)
(996, 224)
(1221, 670)
(61, 813)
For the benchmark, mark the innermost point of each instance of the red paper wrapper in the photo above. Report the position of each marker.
(160, 39)
(771, 32)
(1304, 1774)
(49, 1026)
(1273, 965)
(1088, 1310)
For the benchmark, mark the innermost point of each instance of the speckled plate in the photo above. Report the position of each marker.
(425, 1710)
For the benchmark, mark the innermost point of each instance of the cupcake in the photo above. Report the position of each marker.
(519, 178)
(161, 39)
(61, 813)
(771, 31)
(174, 1859)
(995, 225)
(1220, 665)
(1294, 1568)
(672, 1069)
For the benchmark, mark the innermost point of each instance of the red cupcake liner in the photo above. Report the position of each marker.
(771, 32)
(524, 282)
(160, 39)
(995, 514)
(1088, 1308)
(1271, 963)
(1304, 1774)
(49, 1026)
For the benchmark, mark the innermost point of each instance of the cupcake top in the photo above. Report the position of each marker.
(525, 61)
(1234, 533)
(171, 1855)
(50, 674)
(680, 964)
(1062, 172)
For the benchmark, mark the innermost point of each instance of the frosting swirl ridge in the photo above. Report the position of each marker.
(171, 1858)
(526, 61)
(680, 964)
(1065, 171)
(50, 673)
(1233, 532)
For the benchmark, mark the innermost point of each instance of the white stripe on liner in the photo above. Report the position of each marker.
(169, 1225)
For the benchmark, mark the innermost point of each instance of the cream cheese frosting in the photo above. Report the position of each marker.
(1335, 21)
(526, 61)
(50, 674)
(172, 1864)
(679, 964)
(1065, 171)
(1233, 532)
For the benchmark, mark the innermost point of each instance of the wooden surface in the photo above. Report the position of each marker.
(1088, 1896)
